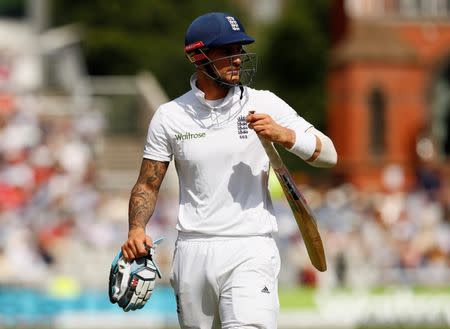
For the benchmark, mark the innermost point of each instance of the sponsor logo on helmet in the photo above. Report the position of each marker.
(233, 23)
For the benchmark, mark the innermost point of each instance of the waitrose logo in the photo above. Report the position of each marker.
(185, 136)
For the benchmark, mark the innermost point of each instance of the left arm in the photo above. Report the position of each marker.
(325, 155)
(311, 145)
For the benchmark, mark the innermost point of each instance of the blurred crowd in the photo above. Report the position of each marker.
(56, 223)
(376, 238)
(47, 185)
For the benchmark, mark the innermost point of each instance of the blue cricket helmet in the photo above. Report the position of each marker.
(213, 30)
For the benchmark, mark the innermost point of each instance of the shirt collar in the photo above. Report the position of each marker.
(232, 96)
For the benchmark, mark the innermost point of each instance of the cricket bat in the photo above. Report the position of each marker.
(300, 209)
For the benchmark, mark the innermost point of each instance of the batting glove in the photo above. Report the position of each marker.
(131, 283)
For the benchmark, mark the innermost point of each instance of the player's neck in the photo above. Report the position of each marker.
(211, 89)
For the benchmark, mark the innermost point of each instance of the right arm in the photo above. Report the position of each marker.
(142, 204)
(292, 131)
(323, 151)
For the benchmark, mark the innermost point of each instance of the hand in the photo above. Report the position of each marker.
(266, 127)
(137, 245)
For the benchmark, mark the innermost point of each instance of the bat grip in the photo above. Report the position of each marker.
(271, 151)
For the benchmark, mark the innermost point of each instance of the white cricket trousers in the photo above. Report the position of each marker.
(226, 282)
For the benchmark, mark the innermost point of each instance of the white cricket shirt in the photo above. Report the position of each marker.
(222, 167)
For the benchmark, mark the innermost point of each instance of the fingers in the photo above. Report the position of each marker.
(139, 291)
(262, 124)
(136, 246)
(265, 127)
(148, 242)
(259, 121)
(258, 117)
(130, 252)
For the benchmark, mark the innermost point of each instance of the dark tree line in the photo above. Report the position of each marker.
(123, 37)
(12, 8)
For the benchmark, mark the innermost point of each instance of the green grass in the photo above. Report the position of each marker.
(302, 298)
(417, 290)
(403, 326)
(297, 298)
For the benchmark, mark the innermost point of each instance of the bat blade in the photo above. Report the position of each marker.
(302, 212)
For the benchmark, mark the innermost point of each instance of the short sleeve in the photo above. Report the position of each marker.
(157, 146)
(284, 114)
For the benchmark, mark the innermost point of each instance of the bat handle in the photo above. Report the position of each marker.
(272, 153)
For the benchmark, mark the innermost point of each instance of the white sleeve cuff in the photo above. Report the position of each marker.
(305, 145)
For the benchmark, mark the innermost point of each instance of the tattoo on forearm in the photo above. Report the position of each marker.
(145, 191)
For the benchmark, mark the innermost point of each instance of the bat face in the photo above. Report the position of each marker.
(300, 209)
(291, 191)
(304, 218)
(289, 185)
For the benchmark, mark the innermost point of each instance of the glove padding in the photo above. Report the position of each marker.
(131, 283)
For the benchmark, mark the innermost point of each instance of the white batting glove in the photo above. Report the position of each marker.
(131, 283)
